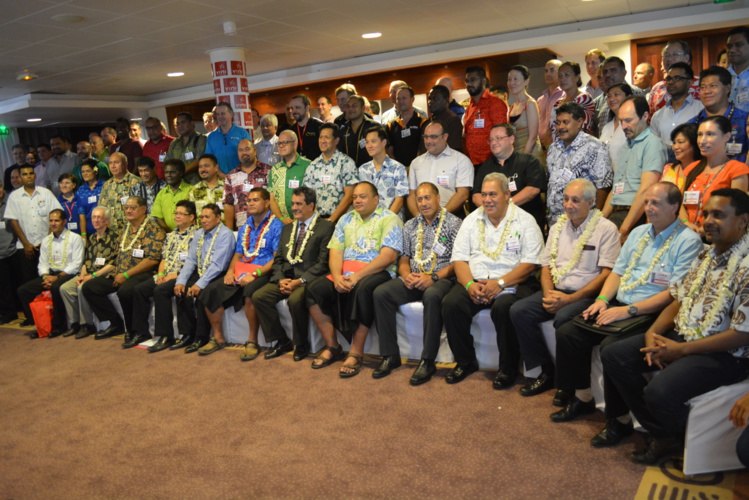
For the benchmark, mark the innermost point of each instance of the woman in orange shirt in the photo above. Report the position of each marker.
(685, 148)
(713, 172)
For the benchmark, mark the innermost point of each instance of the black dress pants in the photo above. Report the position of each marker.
(97, 292)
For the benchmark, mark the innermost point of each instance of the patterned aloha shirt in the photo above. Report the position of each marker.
(284, 179)
(105, 248)
(329, 178)
(447, 238)
(391, 181)
(238, 184)
(202, 195)
(114, 194)
(350, 229)
(175, 249)
(148, 193)
(151, 242)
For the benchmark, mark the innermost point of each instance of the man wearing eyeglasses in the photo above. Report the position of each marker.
(286, 176)
(451, 171)
(157, 145)
(680, 105)
(675, 51)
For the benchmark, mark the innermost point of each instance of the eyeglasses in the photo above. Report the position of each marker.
(132, 207)
(433, 137)
(285, 143)
(671, 79)
(183, 214)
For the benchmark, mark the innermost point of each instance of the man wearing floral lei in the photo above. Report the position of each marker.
(580, 253)
(141, 240)
(655, 256)
(426, 275)
(363, 250)
(161, 287)
(496, 254)
(699, 342)
(301, 258)
(248, 271)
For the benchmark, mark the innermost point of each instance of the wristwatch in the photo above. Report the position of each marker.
(435, 277)
(632, 310)
(501, 283)
(304, 281)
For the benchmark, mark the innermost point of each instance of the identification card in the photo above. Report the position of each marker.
(691, 197)
(619, 188)
(661, 278)
(742, 97)
(123, 200)
(478, 123)
(189, 155)
(262, 243)
(442, 180)
(138, 253)
(162, 158)
(406, 132)
(733, 148)
(92, 200)
(363, 143)
(513, 245)
(41, 213)
(439, 248)
(182, 256)
(100, 261)
(513, 187)
(567, 175)
(326, 179)
(246, 187)
(72, 226)
(106, 159)
(293, 183)
(241, 218)
(57, 259)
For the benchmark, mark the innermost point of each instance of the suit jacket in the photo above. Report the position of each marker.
(314, 258)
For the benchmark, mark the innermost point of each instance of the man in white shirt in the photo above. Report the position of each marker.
(266, 143)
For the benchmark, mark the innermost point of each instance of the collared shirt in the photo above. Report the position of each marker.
(328, 178)
(147, 246)
(478, 121)
(249, 238)
(211, 259)
(157, 152)
(585, 157)
(202, 195)
(224, 146)
(130, 148)
(175, 250)
(283, 179)
(601, 114)
(646, 153)
(308, 143)
(523, 245)
(585, 101)
(71, 213)
(734, 312)
(66, 258)
(101, 247)
(381, 229)
(32, 212)
(166, 202)
(601, 250)
(40, 173)
(56, 167)
(740, 88)
(658, 94)
(267, 151)
(406, 137)
(449, 170)
(237, 186)
(147, 192)
(391, 180)
(87, 200)
(545, 104)
(189, 152)
(673, 265)
(739, 121)
(666, 119)
(7, 236)
(593, 91)
(614, 139)
(443, 251)
(114, 194)
(353, 143)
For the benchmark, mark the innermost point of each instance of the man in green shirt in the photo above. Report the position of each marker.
(176, 190)
(286, 176)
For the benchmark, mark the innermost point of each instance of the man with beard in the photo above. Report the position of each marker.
(251, 173)
(210, 189)
(307, 129)
(484, 111)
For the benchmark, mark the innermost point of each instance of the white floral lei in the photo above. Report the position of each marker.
(203, 264)
(482, 234)
(64, 247)
(296, 260)
(417, 258)
(170, 264)
(739, 251)
(590, 227)
(251, 255)
(624, 284)
(129, 247)
(368, 245)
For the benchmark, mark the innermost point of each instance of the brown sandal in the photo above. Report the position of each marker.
(356, 368)
(337, 353)
(247, 354)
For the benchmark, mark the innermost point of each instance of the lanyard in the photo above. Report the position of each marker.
(358, 138)
(300, 134)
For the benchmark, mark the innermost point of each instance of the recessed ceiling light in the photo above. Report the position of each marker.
(137, 119)
(26, 75)
(175, 74)
(68, 18)
(371, 35)
(34, 120)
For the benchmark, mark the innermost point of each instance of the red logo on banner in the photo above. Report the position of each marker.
(237, 68)
(230, 85)
(243, 85)
(217, 86)
(223, 98)
(240, 101)
(248, 119)
(220, 69)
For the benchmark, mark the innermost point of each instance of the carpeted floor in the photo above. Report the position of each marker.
(86, 419)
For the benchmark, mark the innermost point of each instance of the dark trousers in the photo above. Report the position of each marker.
(528, 314)
(391, 295)
(9, 303)
(97, 292)
(265, 300)
(29, 290)
(191, 316)
(162, 300)
(458, 311)
(742, 447)
(22, 270)
(660, 405)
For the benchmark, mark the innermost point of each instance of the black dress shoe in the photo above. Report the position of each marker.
(459, 373)
(135, 340)
(185, 341)
(279, 349)
(388, 364)
(423, 373)
(27, 322)
(612, 434)
(163, 343)
(33, 334)
(301, 352)
(84, 332)
(54, 333)
(74, 328)
(658, 451)
(542, 384)
(113, 330)
(573, 409)
(195, 345)
(561, 398)
(503, 380)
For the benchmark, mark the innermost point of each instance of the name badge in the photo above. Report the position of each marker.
(260, 181)
(100, 261)
(182, 256)
(41, 213)
(742, 96)
(406, 132)
(57, 259)
(589, 247)
(442, 180)
(241, 218)
(262, 243)
(567, 175)
(691, 197)
(513, 245)
(660, 278)
(138, 253)
(326, 179)
(123, 200)
(106, 159)
(439, 249)
(162, 157)
(363, 143)
(246, 187)
(92, 200)
(512, 186)
(733, 148)
(72, 226)
(189, 155)
(619, 188)
(293, 183)
(478, 123)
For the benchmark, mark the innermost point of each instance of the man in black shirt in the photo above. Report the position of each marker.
(354, 131)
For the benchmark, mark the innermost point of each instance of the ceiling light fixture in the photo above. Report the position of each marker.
(175, 74)
(34, 120)
(26, 75)
(230, 28)
(68, 18)
(371, 35)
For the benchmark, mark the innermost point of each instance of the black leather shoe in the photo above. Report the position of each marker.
(423, 373)
(54, 333)
(129, 336)
(163, 343)
(185, 341)
(33, 334)
(658, 451)
(503, 380)
(543, 383)
(612, 434)
(195, 345)
(459, 373)
(135, 340)
(388, 364)
(113, 330)
(74, 328)
(84, 332)
(573, 409)
(279, 349)
(561, 398)
(27, 322)
(301, 352)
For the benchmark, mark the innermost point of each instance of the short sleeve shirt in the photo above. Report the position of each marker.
(478, 121)
(449, 170)
(202, 195)
(101, 251)
(441, 247)
(31, 212)
(190, 152)
(283, 179)
(249, 239)
(328, 178)
(224, 146)
(157, 152)
(114, 194)
(391, 180)
(646, 153)
(166, 203)
(88, 199)
(704, 184)
(238, 184)
(406, 138)
(147, 246)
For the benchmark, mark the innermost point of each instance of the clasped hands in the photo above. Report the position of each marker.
(344, 284)
(192, 292)
(418, 281)
(484, 291)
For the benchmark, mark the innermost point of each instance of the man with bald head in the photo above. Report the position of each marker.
(447, 82)
(392, 113)
(643, 76)
(546, 101)
(286, 176)
(251, 173)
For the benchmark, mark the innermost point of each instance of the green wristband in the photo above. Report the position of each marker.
(161, 274)
(259, 273)
(124, 273)
(94, 274)
(603, 298)
(468, 285)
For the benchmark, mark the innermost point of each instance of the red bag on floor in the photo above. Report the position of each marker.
(41, 310)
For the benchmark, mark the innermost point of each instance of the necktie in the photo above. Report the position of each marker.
(299, 237)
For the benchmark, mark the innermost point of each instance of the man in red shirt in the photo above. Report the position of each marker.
(484, 111)
(157, 145)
